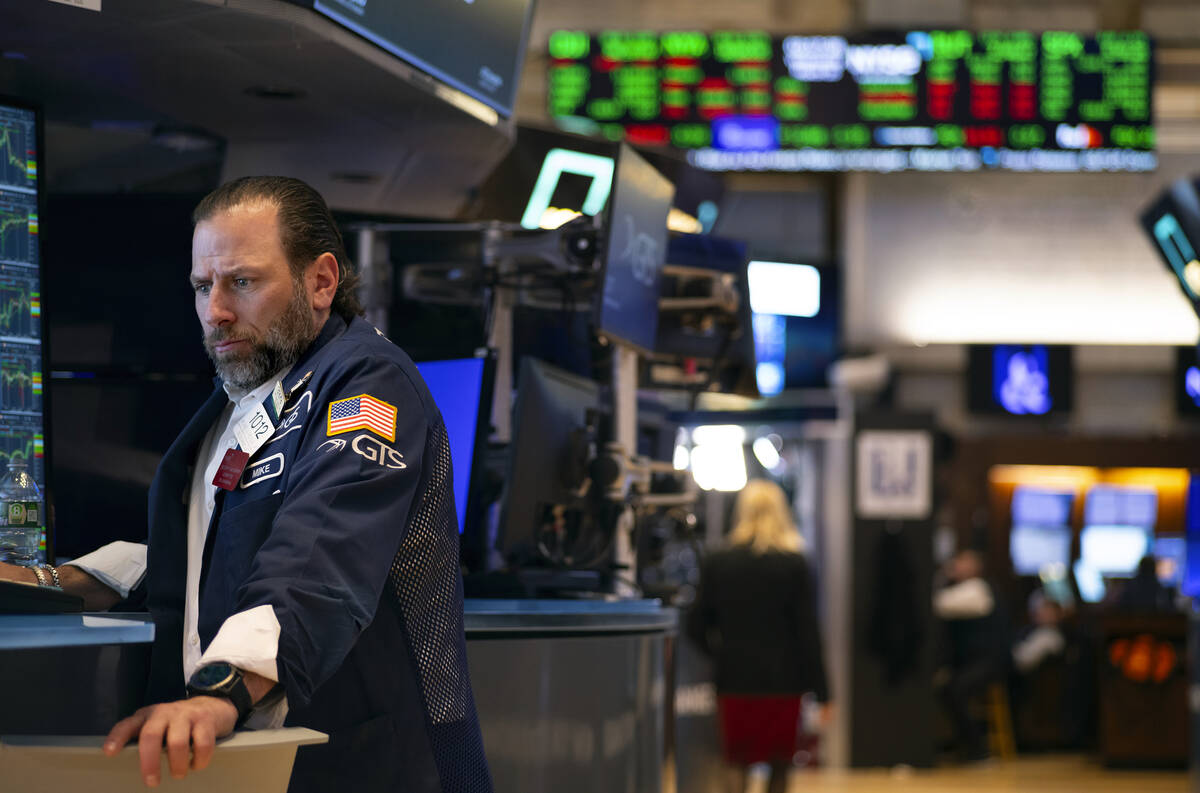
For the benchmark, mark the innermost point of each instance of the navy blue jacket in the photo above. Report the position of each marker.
(351, 537)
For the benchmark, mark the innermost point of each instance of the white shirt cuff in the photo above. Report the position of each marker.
(120, 565)
(249, 640)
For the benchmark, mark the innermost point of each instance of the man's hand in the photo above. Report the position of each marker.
(187, 725)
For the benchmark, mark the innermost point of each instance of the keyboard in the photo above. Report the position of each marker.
(17, 598)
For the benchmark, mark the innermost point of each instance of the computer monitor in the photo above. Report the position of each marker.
(1041, 529)
(1170, 553)
(545, 518)
(462, 390)
(22, 357)
(700, 346)
(1038, 506)
(1113, 551)
(634, 247)
(1114, 505)
(1035, 548)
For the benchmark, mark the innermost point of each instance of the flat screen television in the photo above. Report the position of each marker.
(477, 47)
(462, 390)
(634, 248)
(1026, 380)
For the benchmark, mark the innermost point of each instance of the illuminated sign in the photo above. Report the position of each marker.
(925, 100)
(558, 162)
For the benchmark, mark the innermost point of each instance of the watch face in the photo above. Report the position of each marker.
(212, 675)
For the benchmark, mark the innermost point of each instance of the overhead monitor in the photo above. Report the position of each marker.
(1019, 380)
(1172, 222)
(477, 46)
(930, 100)
(1114, 505)
(462, 390)
(22, 424)
(635, 245)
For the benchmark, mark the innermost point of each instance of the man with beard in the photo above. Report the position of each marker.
(302, 564)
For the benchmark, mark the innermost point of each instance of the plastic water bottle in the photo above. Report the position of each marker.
(22, 518)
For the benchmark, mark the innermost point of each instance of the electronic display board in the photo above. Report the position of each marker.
(950, 100)
(477, 46)
(22, 424)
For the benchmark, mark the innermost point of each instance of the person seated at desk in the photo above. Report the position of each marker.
(302, 564)
(977, 647)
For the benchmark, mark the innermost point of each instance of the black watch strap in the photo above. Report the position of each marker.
(222, 680)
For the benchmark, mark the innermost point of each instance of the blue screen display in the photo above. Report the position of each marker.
(456, 387)
(1191, 566)
(1021, 379)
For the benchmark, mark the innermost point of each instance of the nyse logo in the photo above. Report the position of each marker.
(379, 452)
(641, 251)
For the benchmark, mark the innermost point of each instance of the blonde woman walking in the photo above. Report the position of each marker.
(755, 614)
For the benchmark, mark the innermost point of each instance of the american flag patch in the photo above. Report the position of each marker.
(362, 412)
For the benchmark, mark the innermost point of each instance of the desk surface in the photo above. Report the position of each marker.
(24, 631)
(566, 616)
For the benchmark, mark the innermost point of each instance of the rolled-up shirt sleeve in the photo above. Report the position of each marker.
(120, 565)
(250, 641)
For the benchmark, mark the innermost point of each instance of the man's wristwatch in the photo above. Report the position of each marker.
(224, 680)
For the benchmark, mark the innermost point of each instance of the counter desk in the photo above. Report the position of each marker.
(572, 695)
(71, 674)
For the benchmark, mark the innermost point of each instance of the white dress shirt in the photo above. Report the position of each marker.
(249, 639)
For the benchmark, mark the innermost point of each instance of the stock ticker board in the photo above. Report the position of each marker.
(21, 385)
(950, 100)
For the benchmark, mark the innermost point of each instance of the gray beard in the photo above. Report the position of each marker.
(286, 338)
